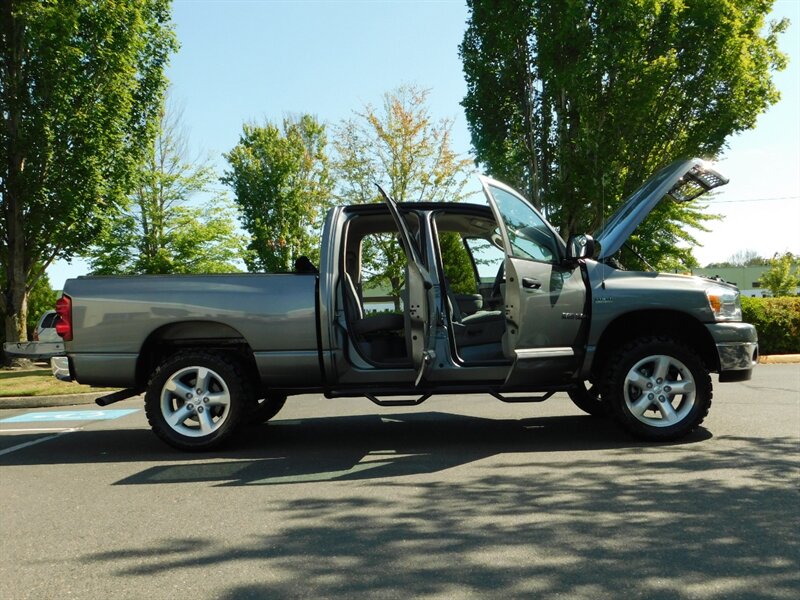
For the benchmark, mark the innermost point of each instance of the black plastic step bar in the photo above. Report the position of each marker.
(403, 402)
(520, 399)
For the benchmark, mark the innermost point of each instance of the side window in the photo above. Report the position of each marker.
(529, 236)
(49, 321)
(487, 256)
(383, 273)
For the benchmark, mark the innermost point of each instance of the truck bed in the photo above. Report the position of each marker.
(116, 317)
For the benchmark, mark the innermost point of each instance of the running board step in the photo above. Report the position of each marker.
(404, 402)
(514, 399)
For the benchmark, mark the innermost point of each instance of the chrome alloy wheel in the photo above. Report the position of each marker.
(660, 384)
(195, 401)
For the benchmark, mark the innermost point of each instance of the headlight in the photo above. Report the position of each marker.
(724, 303)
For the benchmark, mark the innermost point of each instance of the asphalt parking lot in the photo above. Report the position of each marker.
(460, 497)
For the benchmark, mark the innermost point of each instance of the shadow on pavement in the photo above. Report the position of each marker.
(334, 448)
(566, 506)
(374, 447)
(666, 523)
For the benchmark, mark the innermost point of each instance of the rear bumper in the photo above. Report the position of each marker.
(737, 348)
(104, 370)
(34, 350)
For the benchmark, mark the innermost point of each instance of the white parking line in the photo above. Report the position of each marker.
(34, 442)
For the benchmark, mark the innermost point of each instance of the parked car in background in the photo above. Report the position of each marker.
(46, 328)
(46, 342)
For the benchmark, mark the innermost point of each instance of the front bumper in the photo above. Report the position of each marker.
(737, 348)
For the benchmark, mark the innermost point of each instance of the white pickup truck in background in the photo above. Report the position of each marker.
(46, 342)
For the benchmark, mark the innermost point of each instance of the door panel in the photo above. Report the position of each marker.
(543, 304)
(420, 304)
(544, 298)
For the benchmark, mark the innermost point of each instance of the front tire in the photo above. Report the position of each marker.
(266, 408)
(657, 388)
(196, 400)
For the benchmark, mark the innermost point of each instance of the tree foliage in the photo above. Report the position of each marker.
(783, 276)
(282, 186)
(577, 102)
(402, 148)
(740, 258)
(457, 264)
(777, 321)
(157, 230)
(41, 299)
(80, 85)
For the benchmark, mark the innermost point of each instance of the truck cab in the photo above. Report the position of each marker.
(550, 317)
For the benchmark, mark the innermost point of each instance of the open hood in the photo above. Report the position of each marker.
(682, 181)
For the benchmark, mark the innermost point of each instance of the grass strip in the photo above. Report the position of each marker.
(38, 382)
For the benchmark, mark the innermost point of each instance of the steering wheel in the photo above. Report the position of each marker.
(498, 281)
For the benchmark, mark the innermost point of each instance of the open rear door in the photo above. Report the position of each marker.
(420, 297)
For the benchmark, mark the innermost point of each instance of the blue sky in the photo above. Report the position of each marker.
(248, 60)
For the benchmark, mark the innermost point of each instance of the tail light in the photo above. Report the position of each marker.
(64, 320)
(35, 335)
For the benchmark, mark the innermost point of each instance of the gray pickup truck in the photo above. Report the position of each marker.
(212, 352)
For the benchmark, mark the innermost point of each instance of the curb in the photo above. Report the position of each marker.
(49, 401)
(779, 359)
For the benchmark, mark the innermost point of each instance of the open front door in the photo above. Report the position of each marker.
(420, 329)
(546, 318)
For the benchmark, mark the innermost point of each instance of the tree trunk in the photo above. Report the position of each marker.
(16, 315)
(16, 275)
(15, 296)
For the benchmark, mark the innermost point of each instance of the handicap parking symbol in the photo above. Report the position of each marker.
(70, 415)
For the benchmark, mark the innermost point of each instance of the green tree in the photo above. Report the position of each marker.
(457, 264)
(157, 230)
(783, 276)
(282, 186)
(401, 147)
(80, 85)
(577, 102)
(41, 299)
(741, 258)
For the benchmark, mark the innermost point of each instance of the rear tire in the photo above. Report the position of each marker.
(657, 388)
(196, 400)
(589, 400)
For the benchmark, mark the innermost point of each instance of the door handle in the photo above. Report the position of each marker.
(531, 283)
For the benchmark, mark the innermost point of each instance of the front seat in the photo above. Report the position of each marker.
(478, 335)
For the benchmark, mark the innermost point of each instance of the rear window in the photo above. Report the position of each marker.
(49, 321)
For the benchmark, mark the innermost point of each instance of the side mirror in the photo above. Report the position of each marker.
(580, 246)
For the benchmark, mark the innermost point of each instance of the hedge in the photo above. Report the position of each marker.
(777, 321)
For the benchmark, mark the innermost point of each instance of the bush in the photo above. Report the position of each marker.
(777, 321)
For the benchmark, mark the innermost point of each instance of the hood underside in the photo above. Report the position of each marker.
(682, 181)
